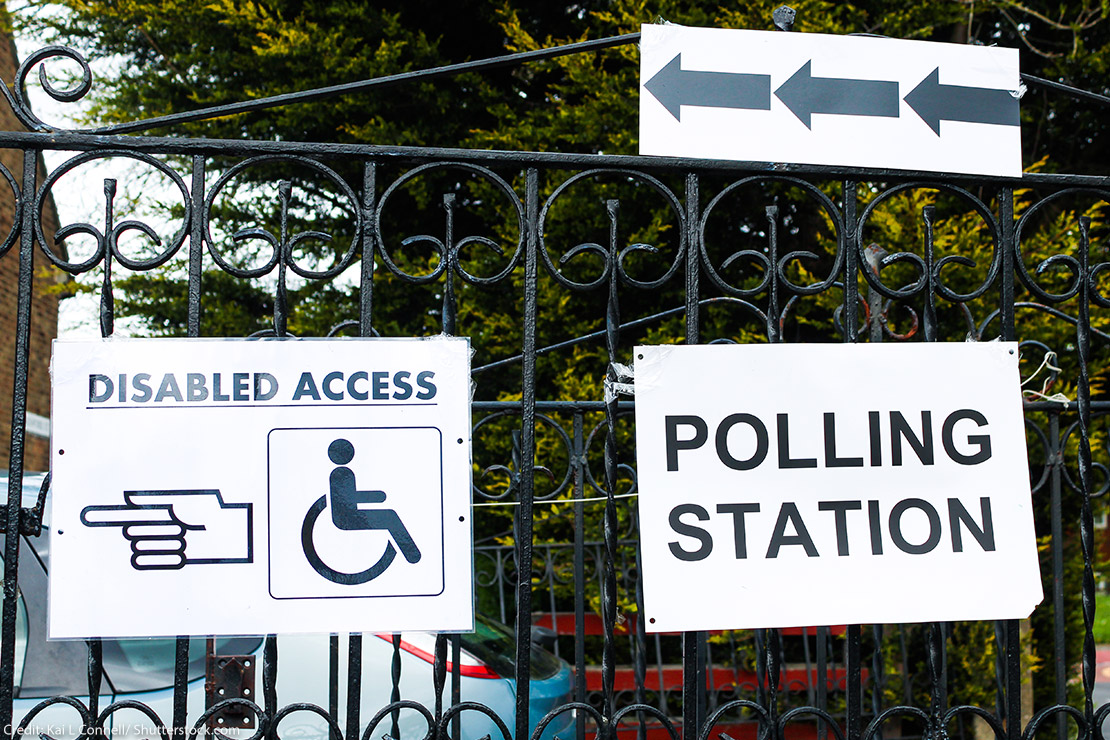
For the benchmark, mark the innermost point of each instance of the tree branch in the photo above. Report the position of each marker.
(1025, 40)
(165, 57)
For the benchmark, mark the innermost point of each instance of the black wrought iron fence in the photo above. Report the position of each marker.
(555, 266)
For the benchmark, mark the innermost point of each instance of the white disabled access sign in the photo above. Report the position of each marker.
(801, 485)
(253, 487)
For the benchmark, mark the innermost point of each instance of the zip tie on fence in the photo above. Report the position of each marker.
(1049, 358)
(556, 501)
(619, 382)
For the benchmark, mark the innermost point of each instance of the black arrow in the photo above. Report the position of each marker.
(805, 95)
(935, 102)
(675, 87)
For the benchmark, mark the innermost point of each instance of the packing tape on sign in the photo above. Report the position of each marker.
(617, 382)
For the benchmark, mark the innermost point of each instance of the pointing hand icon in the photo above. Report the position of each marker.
(168, 530)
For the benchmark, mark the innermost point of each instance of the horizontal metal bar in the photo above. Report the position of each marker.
(585, 406)
(377, 83)
(567, 406)
(81, 142)
(552, 501)
(600, 333)
(1057, 406)
(1075, 92)
(554, 545)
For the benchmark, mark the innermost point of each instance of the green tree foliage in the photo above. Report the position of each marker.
(176, 56)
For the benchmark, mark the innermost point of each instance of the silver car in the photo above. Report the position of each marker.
(142, 671)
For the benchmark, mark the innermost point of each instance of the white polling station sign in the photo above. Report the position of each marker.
(809, 98)
(800, 485)
(252, 487)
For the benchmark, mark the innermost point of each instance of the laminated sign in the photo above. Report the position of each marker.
(228, 487)
(800, 485)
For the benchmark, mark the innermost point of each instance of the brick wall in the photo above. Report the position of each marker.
(44, 307)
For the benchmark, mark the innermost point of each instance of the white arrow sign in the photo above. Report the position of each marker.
(767, 96)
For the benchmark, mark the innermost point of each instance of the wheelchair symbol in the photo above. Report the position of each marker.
(346, 515)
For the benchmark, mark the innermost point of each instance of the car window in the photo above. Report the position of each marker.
(20, 639)
(20, 631)
(130, 665)
(493, 644)
(147, 665)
